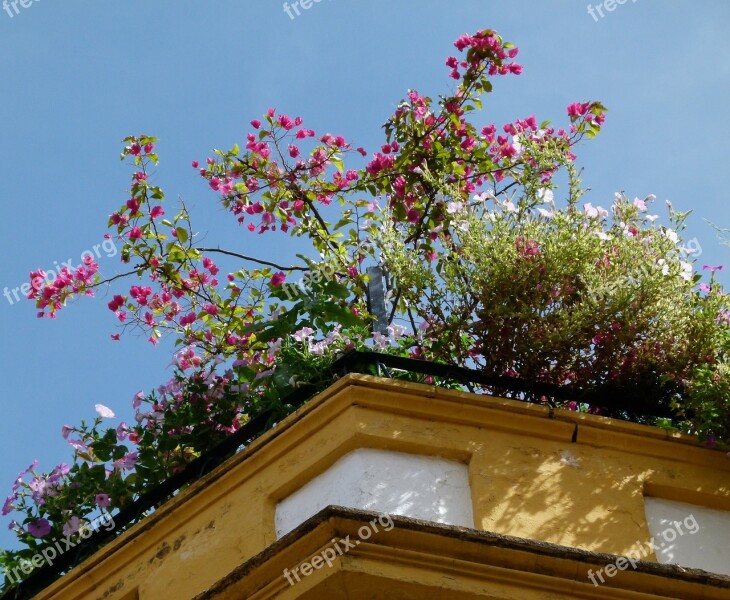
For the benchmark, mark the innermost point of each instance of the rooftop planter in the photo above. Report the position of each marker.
(449, 254)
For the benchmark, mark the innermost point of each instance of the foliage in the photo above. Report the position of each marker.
(485, 267)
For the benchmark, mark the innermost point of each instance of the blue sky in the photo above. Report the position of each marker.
(78, 76)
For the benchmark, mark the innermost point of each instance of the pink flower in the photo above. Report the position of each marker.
(577, 109)
(195, 164)
(188, 319)
(39, 528)
(286, 122)
(102, 500)
(211, 309)
(210, 265)
(149, 148)
(712, 269)
(65, 430)
(293, 151)
(137, 399)
(278, 279)
(135, 149)
(127, 462)
(135, 233)
(157, 211)
(255, 123)
(71, 526)
(61, 471)
(122, 431)
(77, 445)
(116, 303)
(8, 506)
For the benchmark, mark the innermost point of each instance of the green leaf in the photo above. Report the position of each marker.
(182, 234)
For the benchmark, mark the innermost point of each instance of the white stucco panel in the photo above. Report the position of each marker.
(689, 535)
(411, 485)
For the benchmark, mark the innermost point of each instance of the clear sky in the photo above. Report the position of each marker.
(79, 75)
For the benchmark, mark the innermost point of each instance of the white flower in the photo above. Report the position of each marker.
(381, 341)
(396, 332)
(672, 235)
(485, 195)
(686, 273)
(545, 213)
(594, 211)
(546, 195)
(274, 348)
(318, 349)
(104, 412)
(303, 334)
(692, 247)
(454, 207)
(651, 218)
(509, 206)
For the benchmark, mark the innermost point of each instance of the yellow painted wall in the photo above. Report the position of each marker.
(528, 478)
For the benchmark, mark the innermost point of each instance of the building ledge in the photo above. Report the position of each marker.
(422, 559)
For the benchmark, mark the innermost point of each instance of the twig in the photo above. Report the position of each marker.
(255, 260)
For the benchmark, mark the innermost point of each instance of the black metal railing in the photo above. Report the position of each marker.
(631, 401)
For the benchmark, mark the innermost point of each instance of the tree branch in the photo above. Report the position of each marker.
(255, 260)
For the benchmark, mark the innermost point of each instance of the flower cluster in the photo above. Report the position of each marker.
(51, 295)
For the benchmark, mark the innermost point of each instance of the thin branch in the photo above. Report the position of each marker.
(255, 260)
(115, 277)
